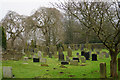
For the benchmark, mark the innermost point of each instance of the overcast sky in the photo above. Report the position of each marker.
(24, 7)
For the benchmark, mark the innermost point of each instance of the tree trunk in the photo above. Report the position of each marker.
(113, 65)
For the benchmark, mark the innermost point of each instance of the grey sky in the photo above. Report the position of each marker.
(25, 7)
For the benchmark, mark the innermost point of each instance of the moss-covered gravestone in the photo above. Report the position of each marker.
(74, 62)
(102, 70)
(7, 72)
(61, 57)
(83, 59)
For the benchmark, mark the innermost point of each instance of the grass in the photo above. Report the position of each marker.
(32, 70)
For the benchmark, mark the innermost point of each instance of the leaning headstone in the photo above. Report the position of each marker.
(102, 70)
(69, 52)
(106, 55)
(118, 64)
(74, 62)
(94, 57)
(83, 60)
(61, 57)
(7, 72)
(43, 60)
(67, 59)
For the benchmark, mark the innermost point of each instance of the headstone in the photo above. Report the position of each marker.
(39, 54)
(77, 54)
(7, 72)
(102, 70)
(61, 57)
(94, 57)
(83, 60)
(35, 59)
(64, 62)
(106, 55)
(50, 54)
(74, 62)
(87, 55)
(76, 59)
(67, 59)
(25, 58)
(43, 60)
(82, 53)
(118, 64)
(69, 52)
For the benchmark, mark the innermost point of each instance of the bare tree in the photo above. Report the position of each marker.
(13, 26)
(103, 19)
(49, 21)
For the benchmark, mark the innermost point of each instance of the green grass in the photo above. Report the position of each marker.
(31, 70)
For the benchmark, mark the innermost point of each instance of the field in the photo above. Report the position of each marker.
(35, 70)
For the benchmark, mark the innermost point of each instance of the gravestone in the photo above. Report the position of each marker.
(74, 62)
(67, 59)
(50, 54)
(7, 72)
(44, 54)
(39, 54)
(69, 52)
(94, 57)
(76, 59)
(61, 57)
(106, 55)
(83, 59)
(77, 54)
(35, 59)
(43, 60)
(25, 58)
(102, 70)
(64, 62)
(82, 53)
(118, 64)
(87, 55)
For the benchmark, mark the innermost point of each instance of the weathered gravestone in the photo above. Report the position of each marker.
(87, 55)
(61, 57)
(82, 53)
(60, 50)
(36, 59)
(83, 59)
(107, 55)
(94, 57)
(77, 54)
(74, 62)
(118, 64)
(25, 58)
(102, 70)
(39, 54)
(67, 59)
(64, 62)
(43, 60)
(50, 54)
(76, 59)
(7, 72)
(69, 53)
